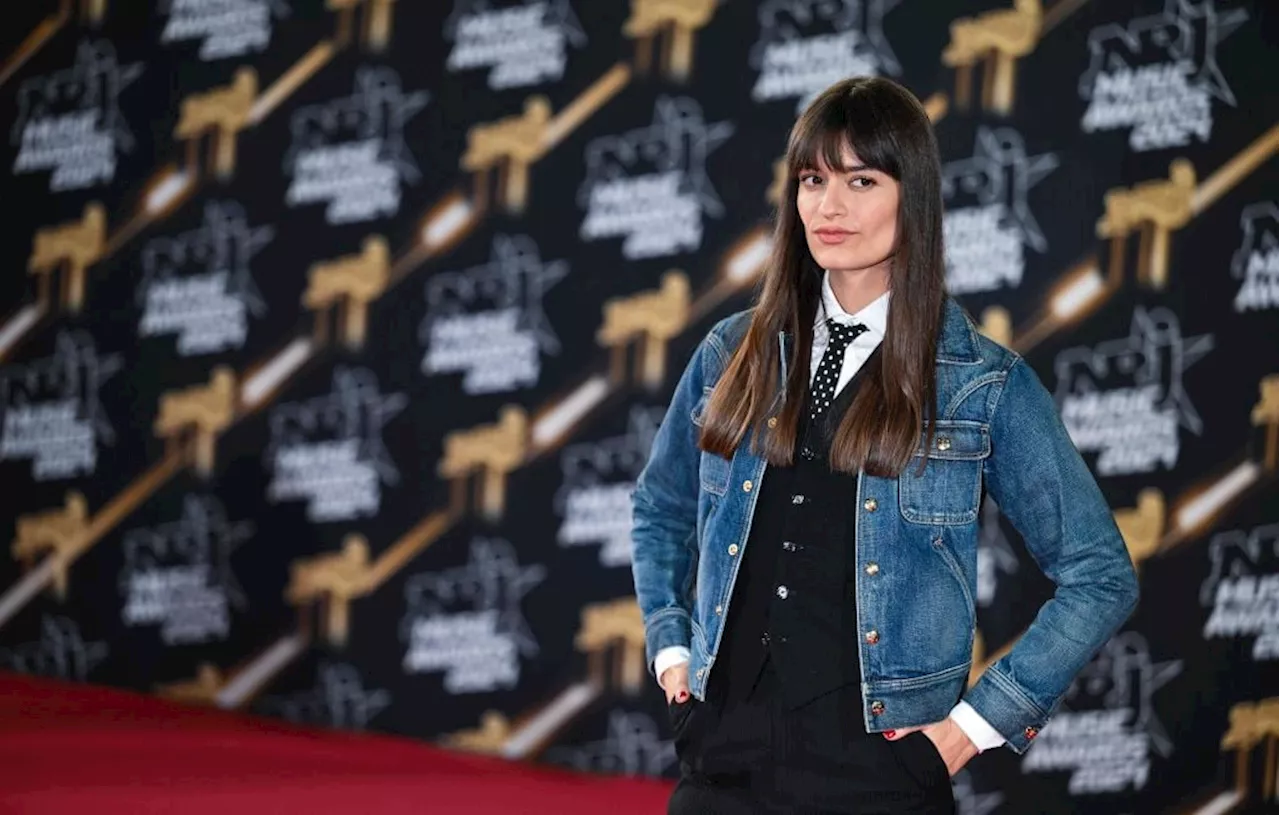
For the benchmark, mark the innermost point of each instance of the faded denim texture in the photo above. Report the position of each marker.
(998, 426)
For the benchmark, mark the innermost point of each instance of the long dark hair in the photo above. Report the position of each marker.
(888, 130)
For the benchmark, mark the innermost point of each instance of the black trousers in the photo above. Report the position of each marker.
(749, 754)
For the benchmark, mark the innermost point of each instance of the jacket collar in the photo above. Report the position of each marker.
(957, 341)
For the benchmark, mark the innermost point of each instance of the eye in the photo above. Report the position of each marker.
(809, 179)
(863, 182)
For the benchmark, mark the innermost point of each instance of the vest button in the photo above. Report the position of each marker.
(746, 485)
(870, 505)
(733, 549)
(872, 569)
(773, 421)
(877, 707)
(807, 453)
(872, 637)
(797, 499)
(782, 592)
(788, 546)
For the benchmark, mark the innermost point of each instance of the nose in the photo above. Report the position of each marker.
(833, 204)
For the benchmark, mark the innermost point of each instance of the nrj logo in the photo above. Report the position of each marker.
(467, 622)
(329, 450)
(650, 186)
(1158, 75)
(351, 152)
(178, 574)
(1107, 729)
(988, 219)
(487, 322)
(51, 408)
(1124, 399)
(594, 500)
(807, 45)
(70, 122)
(198, 284)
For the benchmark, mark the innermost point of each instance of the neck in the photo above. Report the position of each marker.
(856, 288)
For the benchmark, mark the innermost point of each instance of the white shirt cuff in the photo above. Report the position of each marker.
(979, 731)
(666, 657)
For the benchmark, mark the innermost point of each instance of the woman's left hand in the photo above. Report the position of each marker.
(951, 742)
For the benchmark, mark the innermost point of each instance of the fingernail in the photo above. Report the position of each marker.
(682, 695)
(888, 734)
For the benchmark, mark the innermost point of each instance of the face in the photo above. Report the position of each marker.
(850, 214)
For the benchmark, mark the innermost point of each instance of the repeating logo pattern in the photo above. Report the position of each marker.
(336, 336)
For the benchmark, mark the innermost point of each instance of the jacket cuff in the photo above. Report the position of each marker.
(998, 700)
(671, 655)
(666, 628)
(979, 730)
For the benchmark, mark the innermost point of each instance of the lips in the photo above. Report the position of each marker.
(832, 236)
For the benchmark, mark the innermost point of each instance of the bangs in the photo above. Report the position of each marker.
(848, 120)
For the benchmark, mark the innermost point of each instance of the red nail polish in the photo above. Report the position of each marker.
(888, 734)
(682, 695)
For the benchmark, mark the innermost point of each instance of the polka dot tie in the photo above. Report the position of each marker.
(824, 383)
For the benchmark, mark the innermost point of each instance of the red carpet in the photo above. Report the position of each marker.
(69, 748)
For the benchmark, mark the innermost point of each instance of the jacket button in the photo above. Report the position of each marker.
(773, 421)
(797, 499)
(872, 569)
(944, 443)
(877, 707)
(746, 485)
(701, 671)
(870, 505)
(783, 592)
(719, 609)
(733, 549)
(788, 546)
(1030, 732)
(872, 637)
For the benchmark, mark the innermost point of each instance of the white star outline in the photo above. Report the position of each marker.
(337, 699)
(1176, 33)
(515, 277)
(73, 371)
(491, 580)
(202, 535)
(632, 746)
(679, 139)
(1154, 350)
(93, 82)
(1001, 172)
(556, 14)
(377, 108)
(838, 15)
(353, 409)
(1258, 227)
(1122, 675)
(60, 652)
(1239, 553)
(617, 458)
(224, 243)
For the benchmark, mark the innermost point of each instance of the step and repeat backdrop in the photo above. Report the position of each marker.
(334, 334)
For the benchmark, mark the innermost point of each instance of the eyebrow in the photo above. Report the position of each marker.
(856, 168)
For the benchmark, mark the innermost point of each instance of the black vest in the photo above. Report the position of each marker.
(794, 598)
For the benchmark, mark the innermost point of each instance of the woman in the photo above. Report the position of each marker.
(805, 530)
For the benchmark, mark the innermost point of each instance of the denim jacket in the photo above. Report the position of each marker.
(915, 540)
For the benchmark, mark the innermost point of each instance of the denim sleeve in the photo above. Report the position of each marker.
(1043, 486)
(664, 517)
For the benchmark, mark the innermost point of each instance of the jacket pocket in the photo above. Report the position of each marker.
(949, 489)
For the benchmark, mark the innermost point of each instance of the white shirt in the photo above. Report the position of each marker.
(875, 316)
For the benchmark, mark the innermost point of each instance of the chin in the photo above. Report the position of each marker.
(835, 260)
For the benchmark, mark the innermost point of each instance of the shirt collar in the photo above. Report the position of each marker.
(874, 315)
